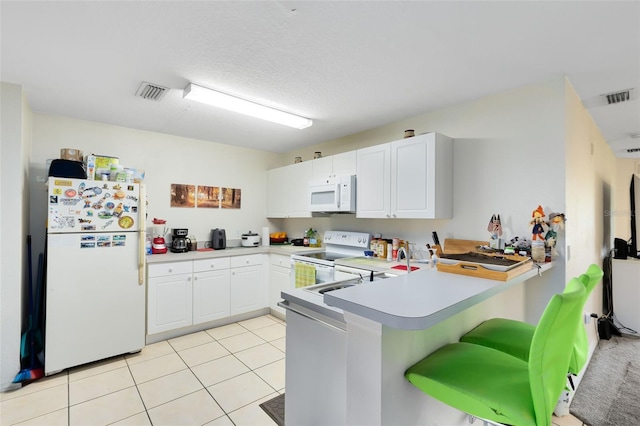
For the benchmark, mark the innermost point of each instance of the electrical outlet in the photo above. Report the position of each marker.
(586, 317)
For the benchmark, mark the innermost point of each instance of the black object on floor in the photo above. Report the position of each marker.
(275, 409)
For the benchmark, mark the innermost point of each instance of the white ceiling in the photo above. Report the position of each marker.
(350, 66)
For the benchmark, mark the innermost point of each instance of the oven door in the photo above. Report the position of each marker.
(306, 273)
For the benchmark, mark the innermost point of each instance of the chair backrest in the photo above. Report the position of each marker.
(580, 353)
(551, 349)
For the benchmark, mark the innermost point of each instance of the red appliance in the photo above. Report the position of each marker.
(158, 246)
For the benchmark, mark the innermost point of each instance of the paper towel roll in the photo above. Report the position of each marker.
(265, 236)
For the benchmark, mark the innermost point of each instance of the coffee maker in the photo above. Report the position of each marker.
(179, 241)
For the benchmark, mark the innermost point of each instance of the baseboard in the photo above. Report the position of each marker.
(564, 402)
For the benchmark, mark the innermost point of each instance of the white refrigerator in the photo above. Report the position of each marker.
(95, 278)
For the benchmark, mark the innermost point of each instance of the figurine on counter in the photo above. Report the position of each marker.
(538, 224)
(555, 223)
(519, 244)
(495, 229)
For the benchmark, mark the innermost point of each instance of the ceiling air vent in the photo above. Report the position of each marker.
(152, 92)
(617, 97)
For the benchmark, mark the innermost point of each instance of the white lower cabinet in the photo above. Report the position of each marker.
(211, 289)
(187, 293)
(170, 297)
(248, 284)
(279, 279)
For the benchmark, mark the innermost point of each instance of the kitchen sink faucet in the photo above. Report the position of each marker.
(405, 251)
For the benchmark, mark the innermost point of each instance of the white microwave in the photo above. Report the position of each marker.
(333, 195)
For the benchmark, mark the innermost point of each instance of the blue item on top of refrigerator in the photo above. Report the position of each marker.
(95, 293)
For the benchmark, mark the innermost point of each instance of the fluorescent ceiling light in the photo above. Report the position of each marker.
(231, 103)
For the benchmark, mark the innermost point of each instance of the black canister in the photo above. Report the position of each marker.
(218, 239)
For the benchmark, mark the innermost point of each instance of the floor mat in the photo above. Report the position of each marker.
(275, 409)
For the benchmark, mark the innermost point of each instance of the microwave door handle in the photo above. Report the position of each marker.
(338, 197)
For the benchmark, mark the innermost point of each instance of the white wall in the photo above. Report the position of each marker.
(166, 159)
(15, 149)
(509, 156)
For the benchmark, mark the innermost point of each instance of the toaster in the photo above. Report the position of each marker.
(218, 239)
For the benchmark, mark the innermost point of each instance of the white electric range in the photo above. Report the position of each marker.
(320, 263)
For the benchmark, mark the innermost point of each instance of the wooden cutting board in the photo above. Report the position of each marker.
(456, 246)
(452, 245)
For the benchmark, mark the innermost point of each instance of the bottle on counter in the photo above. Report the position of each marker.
(382, 248)
(395, 245)
(537, 251)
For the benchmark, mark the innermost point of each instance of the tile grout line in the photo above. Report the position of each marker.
(274, 321)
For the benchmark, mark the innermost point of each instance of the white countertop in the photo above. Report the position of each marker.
(286, 250)
(420, 299)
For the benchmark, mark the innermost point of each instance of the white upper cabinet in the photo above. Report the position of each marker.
(342, 164)
(287, 191)
(374, 182)
(406, 179)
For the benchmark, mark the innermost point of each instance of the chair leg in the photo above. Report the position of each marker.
(570, 377)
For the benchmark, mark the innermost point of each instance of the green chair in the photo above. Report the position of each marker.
(493, 385)
(514, 337)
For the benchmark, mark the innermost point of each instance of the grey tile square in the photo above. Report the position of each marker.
(203, 353)
(219, 370)
(156, 367)
(167, 388)
(258, 356)
(194, 409)
(241, 342)
(239, 391)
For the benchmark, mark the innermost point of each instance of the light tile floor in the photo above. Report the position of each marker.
(213, 377)
(216, 377)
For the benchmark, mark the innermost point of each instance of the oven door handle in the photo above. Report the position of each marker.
(285, 305)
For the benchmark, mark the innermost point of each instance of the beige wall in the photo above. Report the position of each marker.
(590, 196)
(514, 150)
(166, 159)
(509, 157)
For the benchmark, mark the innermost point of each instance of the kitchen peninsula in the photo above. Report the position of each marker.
(388, 325)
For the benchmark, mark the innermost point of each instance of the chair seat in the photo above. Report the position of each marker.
(514, 337)
(499, 390)
(510, 336)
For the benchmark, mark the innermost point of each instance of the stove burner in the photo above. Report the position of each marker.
(325, 256)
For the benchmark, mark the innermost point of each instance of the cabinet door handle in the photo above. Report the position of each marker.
(188, 278)
(212, 266)
(170, 270)
(195, 278)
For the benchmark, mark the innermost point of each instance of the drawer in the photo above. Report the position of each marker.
(214, 264)
(280, 260)
(250, 260)
(164, 269)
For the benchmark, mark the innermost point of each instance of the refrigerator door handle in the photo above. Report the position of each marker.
(142, 249)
